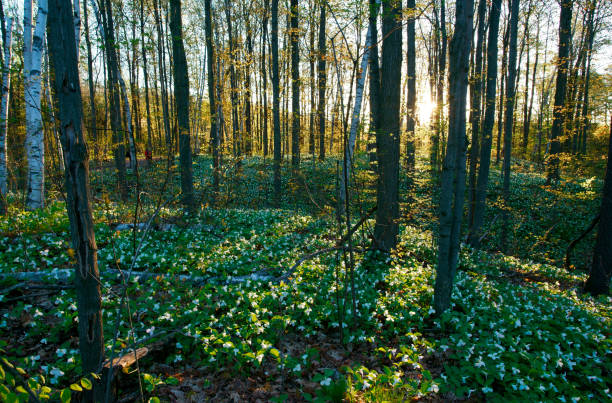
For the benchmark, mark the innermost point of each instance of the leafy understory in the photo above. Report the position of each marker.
(517, 330)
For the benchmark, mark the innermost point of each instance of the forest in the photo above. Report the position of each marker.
(305, 201)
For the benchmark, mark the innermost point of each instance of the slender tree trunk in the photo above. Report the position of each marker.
(565, 37)
(162, 77)
(4, 106)
(62, 51)
(527, 123)
(439, 111)
(236, 137)
(411, 85)
(264, 78)
(247, 92)
(311, 60)
(295, 86)
(375, 90)
(475, 108)
(322, 84)
(487, 126)
(500, 116)
(115, 114)
(92, 92)
(35, 147)
(181, 99)
(388, 135)
(276, 105)
(598, 281)
(453, 171)
(509, 121)
(149, 148)
(212, 102)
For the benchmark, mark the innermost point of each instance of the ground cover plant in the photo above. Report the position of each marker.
(233, 327)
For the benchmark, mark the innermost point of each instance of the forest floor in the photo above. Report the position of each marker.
(225, 319)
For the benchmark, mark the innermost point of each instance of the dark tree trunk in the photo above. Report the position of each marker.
(276, 104)
(565, 37)
(181, 99)
(115, 103)
(500, 116)
(248, 141)
(149, 148)
(62, 51)
(487, 126)
(509, 120)
(92, 94)
(374, 78)
(264, 78)
(411, 85)
(475, 98)
(236, 136)
(453, 171)
(311, 60)
(388, 135)
(322, 84)
(162, 78)
(439, 113)
(295, 86)
(598, 281)
(214, 118)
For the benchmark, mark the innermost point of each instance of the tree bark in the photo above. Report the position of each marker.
(598, 282)
(453, 171)
(35, 147)
(565, 37)
(4, 104)
(475, 107)
(487, 127)
(411, 86)
(212, 102)
(62, 52)
(181, 99)
(276, 104)
(322, 84)
(295, 86)
(388, 135)
(509, 120)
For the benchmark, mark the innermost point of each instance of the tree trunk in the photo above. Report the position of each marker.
(295, 86)
(212, 102)
(350, 146)
(509, 121)
(62, 51)
(264, 78)
(375, 91)
(181, 99)
(453, 171)
(35, 147)
(475, 97)
(411, 86)
(276, 105)
(322, 84)
(565, 37)
(236, 137)
(149, 148)
(4, 106)
(598, 281)
(107, 31)
(388, 134)
(92, 92)
(487, 127)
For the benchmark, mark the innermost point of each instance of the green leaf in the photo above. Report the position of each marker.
(65, 395)
(86, 383)
(275, 353)
(154, 400)
(76, 387)
(172, 381)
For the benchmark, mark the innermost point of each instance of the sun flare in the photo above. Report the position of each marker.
(425, 110)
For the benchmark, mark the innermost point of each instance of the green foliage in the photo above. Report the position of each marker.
(517, 328)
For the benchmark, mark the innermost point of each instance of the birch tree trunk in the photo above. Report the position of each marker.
(78, 201)
(4, 103)
(35, 146)
(350, 146)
